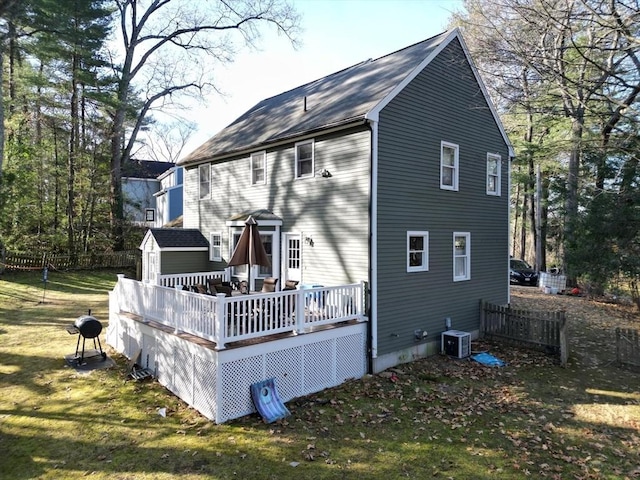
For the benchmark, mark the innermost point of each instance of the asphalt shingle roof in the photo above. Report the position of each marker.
(144, 168)
(337, 99)
(179, 237)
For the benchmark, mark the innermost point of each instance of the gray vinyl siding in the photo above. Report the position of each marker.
(183, 262)
(334, 211)
(443, 103)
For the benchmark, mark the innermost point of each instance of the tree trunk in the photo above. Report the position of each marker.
(115, 192)
(74, 147)
(1, 107)
(571, 201)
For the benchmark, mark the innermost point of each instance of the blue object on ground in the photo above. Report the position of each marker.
(488, 359)
(266, 400)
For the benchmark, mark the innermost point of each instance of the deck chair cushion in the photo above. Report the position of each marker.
(269, 285)
(219, 288)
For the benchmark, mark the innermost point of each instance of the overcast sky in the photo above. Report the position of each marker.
(336, 34)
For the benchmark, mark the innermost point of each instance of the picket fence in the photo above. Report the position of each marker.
(545, 330)
(15, 262)
(628, 347)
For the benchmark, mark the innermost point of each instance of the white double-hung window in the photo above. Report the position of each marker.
(493, 174)
(204, 176)
(258, 168)
(417, 251)
(449, 166)
(215, 247)
(304, 159)
(461, 256)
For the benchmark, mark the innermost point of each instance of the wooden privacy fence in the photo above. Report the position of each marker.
(14, 262)
(628, 347)
(546, 330)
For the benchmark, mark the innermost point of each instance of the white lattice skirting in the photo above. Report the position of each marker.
(217, 383)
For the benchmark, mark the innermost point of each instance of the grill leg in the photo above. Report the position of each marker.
(82, 356)
(102, 354)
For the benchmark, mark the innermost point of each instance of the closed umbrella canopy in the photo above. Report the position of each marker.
(249, 250)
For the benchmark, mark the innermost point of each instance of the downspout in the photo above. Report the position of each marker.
(373, 245)
(509, 228)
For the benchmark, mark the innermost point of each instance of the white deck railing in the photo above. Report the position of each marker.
(224, 319)
(188, 279)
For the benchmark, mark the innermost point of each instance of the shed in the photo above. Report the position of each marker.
(173, 250)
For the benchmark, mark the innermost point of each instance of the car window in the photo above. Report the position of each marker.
(519, 264)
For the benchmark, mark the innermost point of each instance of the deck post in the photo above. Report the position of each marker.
(300, 311)
(178, 309)
(219, 321)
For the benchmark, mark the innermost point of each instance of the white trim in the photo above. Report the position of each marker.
(296, 174)
(374, 113)
(213, 258)
(498, 158)
(264, 167)
(184, 249)
(373, 281)
(425, 251)
(467, 236)
(456, 165)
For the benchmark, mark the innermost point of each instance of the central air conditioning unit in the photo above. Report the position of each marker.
(456, 343)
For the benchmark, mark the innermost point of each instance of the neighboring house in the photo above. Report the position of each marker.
(139, 185)
(394, 171)
(169, 197)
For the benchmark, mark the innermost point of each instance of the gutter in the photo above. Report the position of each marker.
(296, 137)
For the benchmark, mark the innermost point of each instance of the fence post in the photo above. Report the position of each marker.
(564, 344)
(482, 318)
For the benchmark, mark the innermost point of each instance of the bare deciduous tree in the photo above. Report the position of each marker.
(169, 49)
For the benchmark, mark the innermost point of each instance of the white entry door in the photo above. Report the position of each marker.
(292, 256)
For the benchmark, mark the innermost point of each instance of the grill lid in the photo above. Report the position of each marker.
(88, 326)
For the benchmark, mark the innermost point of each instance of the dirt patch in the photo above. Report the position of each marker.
(591, 323)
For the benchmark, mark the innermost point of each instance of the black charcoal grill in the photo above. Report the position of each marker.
(85, 327)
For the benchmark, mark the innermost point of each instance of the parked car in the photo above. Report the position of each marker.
(521, 273)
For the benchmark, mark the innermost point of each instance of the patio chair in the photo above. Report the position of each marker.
(269, 285)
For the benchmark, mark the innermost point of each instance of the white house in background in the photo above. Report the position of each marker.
(139, 185)
(169, 198)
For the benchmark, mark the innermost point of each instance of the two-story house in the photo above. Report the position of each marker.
(394, 171)
(382, 189)
(140, 184)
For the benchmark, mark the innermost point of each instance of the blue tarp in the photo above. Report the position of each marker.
(488, 359)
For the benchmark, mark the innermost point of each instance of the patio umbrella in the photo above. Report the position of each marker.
(249, 250)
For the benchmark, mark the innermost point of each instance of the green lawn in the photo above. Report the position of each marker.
(435, 418)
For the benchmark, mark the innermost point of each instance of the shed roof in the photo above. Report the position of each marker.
(179, 237)
(341, 98)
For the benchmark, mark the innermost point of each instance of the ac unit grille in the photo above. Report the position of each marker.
(456, 343)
